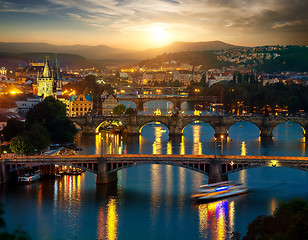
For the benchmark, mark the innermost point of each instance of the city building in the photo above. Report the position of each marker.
(66, 100)
(25, 102)
(108, 103)
(7, 104)
(80, 105)
(49, 83)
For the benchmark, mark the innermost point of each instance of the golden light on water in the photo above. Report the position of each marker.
(156, 190)
(169, 147)
(197, 147)
(182, 146)
(157, 145)
(273, 205)
(203, 220)
(243, 149)
(112, 219)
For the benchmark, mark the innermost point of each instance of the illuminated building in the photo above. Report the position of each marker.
(80, 105)
(108, 103)
(49, 83)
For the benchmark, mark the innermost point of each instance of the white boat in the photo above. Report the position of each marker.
(215, 191)
(30, 177)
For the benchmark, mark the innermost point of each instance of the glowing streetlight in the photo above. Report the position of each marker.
(222, 146)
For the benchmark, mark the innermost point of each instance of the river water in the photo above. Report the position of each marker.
(153, 201)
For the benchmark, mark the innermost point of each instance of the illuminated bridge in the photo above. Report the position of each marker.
(132, 124)
(106, 166)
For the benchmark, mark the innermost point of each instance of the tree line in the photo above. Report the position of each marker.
(254, 97)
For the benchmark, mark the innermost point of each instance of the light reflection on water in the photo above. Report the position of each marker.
(158, 196)
(216, 219)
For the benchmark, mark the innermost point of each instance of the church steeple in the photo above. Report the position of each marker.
(46, 71)
(56, 68)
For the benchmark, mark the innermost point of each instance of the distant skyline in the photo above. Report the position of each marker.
(142, 24)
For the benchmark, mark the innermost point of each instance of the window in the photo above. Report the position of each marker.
(85, 109)
(76, 109)
(80, 109)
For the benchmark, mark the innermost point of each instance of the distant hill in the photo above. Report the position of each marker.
(102, 52)
(176, 47)
(90, 52)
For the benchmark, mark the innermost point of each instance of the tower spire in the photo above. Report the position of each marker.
(46, 71)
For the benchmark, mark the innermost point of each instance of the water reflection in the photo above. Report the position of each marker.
(197, 146)
(108, 220)
(216, 220)
(156, 191)
(243, 149)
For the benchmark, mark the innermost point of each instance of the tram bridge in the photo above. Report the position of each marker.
(106, 166)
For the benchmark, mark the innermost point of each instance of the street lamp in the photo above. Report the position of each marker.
(222, 142)
(215, 139)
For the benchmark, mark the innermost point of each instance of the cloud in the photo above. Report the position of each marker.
(203, 18)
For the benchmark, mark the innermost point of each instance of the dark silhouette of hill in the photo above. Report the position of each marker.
(90, 52)
(104, 52)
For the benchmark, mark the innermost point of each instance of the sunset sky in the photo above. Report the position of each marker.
(142, 24)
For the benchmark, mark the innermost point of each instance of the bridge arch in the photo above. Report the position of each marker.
(205, 128)
(298, 130)
(203, 169)
(116, 125)
(241, 127)
(150, 122)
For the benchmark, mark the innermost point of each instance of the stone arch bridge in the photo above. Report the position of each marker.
(106, 166)
(132, 124)
(177, 101)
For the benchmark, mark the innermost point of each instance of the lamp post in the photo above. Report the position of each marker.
(222, 146)
(215, 139)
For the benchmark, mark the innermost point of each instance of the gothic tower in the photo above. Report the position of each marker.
(45, 83)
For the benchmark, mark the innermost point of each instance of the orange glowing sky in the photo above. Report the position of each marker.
(141, 24)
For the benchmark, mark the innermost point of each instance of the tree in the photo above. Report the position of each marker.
(38, 137)
(12, 129)
(289, 222)
(19, 145)
(130, 111)
(118, 110)
(51, 114)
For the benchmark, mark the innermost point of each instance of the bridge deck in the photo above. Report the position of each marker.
(151, 157)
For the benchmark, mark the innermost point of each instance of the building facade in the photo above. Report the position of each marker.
(80, 105)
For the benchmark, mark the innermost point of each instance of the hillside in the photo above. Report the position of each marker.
(103, 52)
(293, 58)
(207, 59)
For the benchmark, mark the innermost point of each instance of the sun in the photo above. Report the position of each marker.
(159, 34)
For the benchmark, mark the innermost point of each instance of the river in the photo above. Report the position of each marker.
(153, 201)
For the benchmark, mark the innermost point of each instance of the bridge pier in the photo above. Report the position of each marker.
(215, 171)
(103, 177)
(2, 173)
